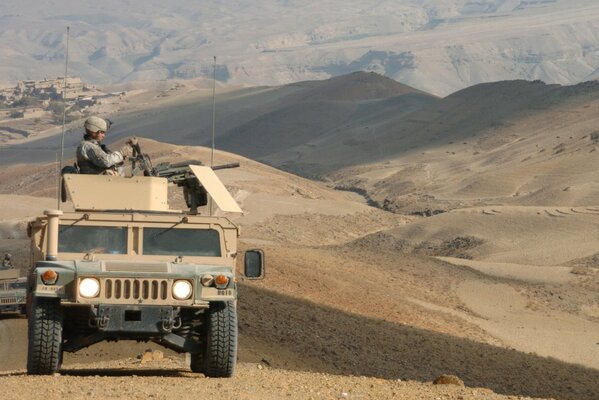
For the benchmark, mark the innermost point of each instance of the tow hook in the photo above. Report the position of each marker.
(168, 322)
(100, 321)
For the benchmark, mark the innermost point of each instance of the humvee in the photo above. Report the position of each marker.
(123, 266)
(12, 291)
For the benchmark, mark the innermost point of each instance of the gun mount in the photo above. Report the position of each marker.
(181, 173)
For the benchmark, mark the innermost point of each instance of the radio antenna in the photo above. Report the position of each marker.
(213, 111)
(213, 120)
(64, 117)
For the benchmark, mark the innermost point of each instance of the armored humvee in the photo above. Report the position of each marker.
(123, 266)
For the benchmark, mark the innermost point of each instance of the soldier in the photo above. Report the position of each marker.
(7, 262)
(95, 158)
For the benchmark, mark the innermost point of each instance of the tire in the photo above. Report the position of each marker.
(44, 354)
(220, 355)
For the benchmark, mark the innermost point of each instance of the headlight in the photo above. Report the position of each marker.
(89, 287)
(182, 290)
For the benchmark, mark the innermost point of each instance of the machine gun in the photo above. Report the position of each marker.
(140, 162)
(178, 173)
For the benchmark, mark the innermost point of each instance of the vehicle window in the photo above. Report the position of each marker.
(181, 242)
(92, 239)
(19, 285)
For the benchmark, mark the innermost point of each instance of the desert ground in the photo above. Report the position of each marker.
(454, 274)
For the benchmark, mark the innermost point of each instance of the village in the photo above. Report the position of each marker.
(32, 107)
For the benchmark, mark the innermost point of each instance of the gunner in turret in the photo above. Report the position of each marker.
(7, 262)
(93, 157)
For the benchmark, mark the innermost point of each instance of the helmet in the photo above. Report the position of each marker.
(95, 124)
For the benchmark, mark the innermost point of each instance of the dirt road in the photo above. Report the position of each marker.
(295, 349)
(86, 376)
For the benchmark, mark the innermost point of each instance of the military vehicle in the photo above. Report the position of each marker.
(124, 266)
(12, 291)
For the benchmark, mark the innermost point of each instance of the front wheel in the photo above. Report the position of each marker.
(220, 355)
(45, 337)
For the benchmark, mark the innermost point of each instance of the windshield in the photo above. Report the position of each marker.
(18, 285)
(92, 239)
(181, 242)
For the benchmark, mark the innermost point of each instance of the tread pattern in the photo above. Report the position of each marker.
(45, 337)
(221, 340)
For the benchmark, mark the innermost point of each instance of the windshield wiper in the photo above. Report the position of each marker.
(184, 220)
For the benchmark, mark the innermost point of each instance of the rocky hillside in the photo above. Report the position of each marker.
(436, 46)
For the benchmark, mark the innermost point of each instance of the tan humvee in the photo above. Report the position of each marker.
(12, 291)
(123, 266)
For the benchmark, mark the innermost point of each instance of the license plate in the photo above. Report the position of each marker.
(50, 289)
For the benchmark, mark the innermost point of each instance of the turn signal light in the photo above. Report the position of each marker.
(49, 277)
(221, 281)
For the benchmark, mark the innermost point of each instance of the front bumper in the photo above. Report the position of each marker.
(139, 321)
(159, 324)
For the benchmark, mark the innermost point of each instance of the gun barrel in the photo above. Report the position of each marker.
(181, 171)
(186, 163)
(224, 166)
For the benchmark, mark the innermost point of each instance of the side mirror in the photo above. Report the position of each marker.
(254, 264)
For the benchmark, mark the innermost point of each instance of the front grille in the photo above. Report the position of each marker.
(12, 300)
(130, 290)
(136, 289)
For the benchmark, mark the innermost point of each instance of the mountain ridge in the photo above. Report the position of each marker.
(437, 47)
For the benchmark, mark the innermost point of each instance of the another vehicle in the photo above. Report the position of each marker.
(123, 266)
(12, 291)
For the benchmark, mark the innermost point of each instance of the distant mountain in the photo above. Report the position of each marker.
(324, 111)
(512, 142)
(509, 142)
(260, 122)
(355, 86)
(436, 46)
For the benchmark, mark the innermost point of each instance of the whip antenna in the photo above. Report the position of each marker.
(213, 111)
(64, 116)
(213, 120)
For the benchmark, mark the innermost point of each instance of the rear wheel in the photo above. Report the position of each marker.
(220, 351)
(45, 337)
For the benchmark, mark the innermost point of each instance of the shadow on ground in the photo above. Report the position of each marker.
(12, 315)
(172, 373)
(350, 344)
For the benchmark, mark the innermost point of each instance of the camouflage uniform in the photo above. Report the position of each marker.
(92, 159)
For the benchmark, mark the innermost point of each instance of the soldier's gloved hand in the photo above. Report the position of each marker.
(126, 151)
(132, 141)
